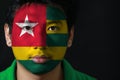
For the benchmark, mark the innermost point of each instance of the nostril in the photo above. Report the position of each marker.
(35, 48)
(42, 48)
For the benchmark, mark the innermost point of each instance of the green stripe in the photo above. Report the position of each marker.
(54, 13)
(57, 39)
(39, 68)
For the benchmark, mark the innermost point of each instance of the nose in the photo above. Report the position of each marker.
(40, 36)
(38, 51)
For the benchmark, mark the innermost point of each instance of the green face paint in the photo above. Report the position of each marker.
(39, 68)
(49, 30)
(54, 13)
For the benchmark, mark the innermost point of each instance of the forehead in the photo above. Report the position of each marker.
(40, 12)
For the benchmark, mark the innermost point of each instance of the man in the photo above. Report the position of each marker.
(38, 33)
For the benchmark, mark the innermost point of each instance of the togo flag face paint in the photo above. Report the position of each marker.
(39, 37)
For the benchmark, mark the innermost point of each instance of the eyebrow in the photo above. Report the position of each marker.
(55, 21)
(21, 21)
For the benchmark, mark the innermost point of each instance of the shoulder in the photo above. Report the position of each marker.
(8, 74)
(83, 76)
(72, 74)
(4, 73)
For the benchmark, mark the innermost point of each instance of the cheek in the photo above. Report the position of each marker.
(57, 44)
(56, 53)
(54, 40)
(21, 53)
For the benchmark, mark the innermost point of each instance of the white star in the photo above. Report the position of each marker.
(27, 27)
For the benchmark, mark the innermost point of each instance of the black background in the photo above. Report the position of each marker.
(94, 49)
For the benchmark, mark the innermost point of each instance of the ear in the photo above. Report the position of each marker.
(71, 35)
(7, 35)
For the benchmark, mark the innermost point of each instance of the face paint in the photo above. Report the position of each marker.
(39, 30)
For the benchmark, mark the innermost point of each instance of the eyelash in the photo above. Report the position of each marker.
(27, 27)
(53, 28)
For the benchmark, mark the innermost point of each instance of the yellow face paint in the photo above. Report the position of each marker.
(60, 25)
(54, 53)
(38, 26)
(55, 27)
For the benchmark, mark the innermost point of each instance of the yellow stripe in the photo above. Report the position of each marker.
(60, 24)
(24, 53)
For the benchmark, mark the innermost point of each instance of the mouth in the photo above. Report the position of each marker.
(40, 59)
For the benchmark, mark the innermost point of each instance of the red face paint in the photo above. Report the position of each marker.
(31, 29)
(25, 35)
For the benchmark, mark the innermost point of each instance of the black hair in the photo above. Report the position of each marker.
(66, 5)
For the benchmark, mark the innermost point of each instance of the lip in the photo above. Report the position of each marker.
(40, 59)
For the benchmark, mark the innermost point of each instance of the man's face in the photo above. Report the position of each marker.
(39, 37)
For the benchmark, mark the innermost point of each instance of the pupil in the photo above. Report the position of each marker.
(27, 27)
(53, 27)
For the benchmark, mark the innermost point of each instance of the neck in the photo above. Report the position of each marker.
(55, 74)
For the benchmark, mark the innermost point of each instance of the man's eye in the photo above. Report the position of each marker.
(53, 28)
(27, 27)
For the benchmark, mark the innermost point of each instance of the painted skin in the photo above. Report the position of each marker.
(39, 37)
